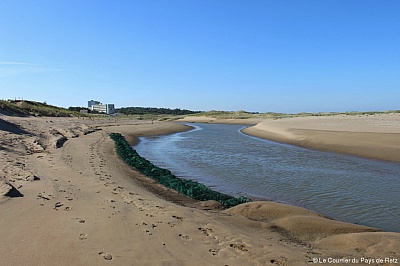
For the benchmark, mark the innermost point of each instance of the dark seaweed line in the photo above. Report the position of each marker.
(163, 176)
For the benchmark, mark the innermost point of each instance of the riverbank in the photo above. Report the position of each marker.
(370, 136)
(376, 137)
(72, 201)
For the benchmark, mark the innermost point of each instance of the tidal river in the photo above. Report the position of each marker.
(346, 188)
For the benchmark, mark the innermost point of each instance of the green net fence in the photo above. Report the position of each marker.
(186, 187)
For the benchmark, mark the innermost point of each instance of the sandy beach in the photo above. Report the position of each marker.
(66, 198)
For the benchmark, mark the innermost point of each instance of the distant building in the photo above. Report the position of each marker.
(91, 102)
(103, 108)
(83, 111)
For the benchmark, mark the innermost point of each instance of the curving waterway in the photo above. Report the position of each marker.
(346, 188)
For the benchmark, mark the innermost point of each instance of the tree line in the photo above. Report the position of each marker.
(153, 111)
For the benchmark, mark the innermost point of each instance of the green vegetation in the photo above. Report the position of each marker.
(272, 115)
(78, 109)
(229, 115)
(153, 111)
(23, 107)
(165, 177)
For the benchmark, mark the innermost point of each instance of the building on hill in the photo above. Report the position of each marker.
(104, 108)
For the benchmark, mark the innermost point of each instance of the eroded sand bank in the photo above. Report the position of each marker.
(79, 204)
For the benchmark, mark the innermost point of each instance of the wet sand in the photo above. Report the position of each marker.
(66, 198)
(376, 137)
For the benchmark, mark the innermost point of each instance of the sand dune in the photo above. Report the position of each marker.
(296, 222)
(82, 205)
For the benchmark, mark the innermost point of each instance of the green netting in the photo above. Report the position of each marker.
(165, 177)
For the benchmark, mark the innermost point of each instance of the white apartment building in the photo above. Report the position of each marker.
(103, 108)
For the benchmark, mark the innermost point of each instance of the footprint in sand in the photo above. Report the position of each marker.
(206, 231)
(282, 261)
(83, 236)
(128, 201)
(58, 205)
(239, 247)
(105, 255)
(41, 196)
(80, 220)
(184, 236)
(214, 252)
(109, 183)
(177, 217)
(171, 224)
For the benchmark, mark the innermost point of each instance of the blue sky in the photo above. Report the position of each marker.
(281, 56)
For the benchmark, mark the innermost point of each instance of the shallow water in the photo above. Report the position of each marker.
(346, 188)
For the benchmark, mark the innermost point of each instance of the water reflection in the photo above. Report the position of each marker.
(344, 187)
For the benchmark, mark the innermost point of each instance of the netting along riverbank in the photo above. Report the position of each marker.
(186, 187)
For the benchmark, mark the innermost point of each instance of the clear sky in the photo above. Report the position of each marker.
(258, 55)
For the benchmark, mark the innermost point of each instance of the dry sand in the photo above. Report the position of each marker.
(67, 199)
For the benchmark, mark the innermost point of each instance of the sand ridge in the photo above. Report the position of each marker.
(82, 205)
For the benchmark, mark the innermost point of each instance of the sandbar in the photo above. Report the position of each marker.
(370, 136)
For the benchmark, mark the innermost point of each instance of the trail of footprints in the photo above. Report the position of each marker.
(143, 205)
(217, 243)
(95, 154)
(222, 242)
(70, 196)
(58, 205)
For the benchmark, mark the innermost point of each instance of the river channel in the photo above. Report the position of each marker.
(346, 188)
